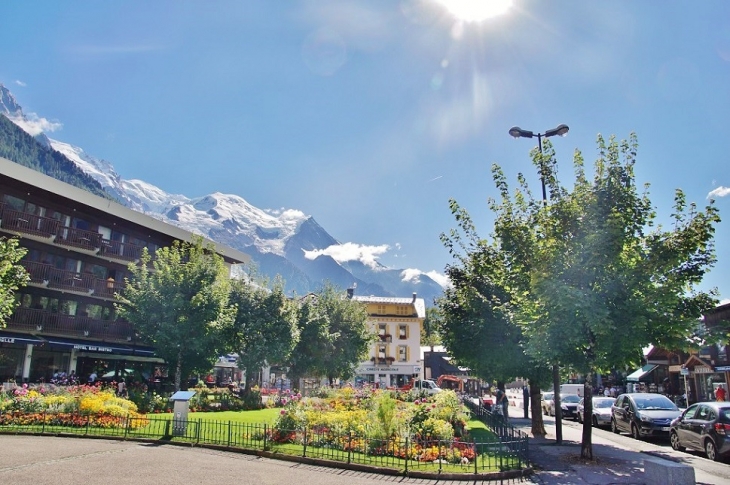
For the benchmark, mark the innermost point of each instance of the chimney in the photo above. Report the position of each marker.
(350, 292)
(414, 297)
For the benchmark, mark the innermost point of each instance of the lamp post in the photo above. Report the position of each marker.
(560, 130)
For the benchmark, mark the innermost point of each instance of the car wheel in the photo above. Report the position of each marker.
(614, 427)
(635, 432)
(710, 450)
(674, 440)
(595, 421)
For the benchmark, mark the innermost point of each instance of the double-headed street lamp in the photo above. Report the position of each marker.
(560, 130)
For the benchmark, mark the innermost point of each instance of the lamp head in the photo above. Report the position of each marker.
(517, 132)
(560, 130)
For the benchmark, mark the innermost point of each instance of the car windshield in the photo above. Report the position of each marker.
(570, 398)
(654, 403)
(602, 403)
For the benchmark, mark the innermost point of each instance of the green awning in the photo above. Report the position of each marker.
(638, 374)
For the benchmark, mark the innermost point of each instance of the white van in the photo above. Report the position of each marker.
(572, 389)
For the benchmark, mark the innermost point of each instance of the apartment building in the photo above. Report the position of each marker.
(395, 357)
(79, 247)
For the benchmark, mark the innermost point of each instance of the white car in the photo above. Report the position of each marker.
(601, 415)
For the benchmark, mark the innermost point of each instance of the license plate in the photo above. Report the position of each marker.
(665, 428)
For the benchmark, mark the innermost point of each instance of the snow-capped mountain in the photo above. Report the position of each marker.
(290, 244)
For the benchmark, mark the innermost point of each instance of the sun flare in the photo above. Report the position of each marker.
(475, 10)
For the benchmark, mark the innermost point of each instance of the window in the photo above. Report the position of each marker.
(382, 351)
(402, 353)
(14, 203)
(402, 310)
(382, 329)
(381, 310)
(402, 332)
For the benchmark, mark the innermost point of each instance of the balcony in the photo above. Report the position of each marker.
(47, 275)
(17, 221)
(45, 322)
(120, 250)
(78, 238)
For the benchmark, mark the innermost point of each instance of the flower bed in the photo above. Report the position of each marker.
(68, 406)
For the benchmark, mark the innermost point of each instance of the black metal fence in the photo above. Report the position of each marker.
(508, 452)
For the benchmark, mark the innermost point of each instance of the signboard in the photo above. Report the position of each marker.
(92, 348)
(684, 371)
(703, 369)
(722, 368)
(7, 340)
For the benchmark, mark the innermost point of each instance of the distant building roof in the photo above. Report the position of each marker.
(418, 303)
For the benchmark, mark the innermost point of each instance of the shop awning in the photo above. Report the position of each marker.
(638, 374)
(97, 347)
(19, 338)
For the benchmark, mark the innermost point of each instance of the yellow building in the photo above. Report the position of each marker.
(395, 356)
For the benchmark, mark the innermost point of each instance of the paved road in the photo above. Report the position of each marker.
(41, 460)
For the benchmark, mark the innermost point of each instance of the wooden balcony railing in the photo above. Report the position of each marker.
(28, 223)
(45, 322)
(59, 279)
(78, 238)
(120, 250)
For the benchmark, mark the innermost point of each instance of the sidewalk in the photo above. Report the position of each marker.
(612, 463)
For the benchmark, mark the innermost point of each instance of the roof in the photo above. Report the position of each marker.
(638, 374)
(418, 303)
(32, 177)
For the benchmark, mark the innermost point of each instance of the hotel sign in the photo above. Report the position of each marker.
(92, 348)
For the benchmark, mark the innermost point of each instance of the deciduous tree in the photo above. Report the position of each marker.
(13, 276)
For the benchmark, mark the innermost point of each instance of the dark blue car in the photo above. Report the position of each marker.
(705, 427)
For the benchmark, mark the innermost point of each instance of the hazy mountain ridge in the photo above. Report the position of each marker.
(276, 242)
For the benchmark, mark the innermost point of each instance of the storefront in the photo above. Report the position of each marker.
(387, 375)
(703, 379)
(15, 356)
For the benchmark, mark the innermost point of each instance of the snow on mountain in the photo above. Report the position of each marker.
(285, 243)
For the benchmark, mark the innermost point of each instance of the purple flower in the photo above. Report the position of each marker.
(282, 412)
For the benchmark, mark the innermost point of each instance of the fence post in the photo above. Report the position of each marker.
(167, 428)
(304, 453)
(229, 434)
(88, 420)
(439, 456)
(126, 428)
(197, 432)
(349, 446)
(43, 427)
(264, 436)
(476, 455)
(406, 454)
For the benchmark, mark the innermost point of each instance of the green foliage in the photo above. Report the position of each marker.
(264, 328)
(12, 275)
(179, 304)
(334, 336)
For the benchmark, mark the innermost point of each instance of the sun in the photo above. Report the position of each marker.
(475, 10)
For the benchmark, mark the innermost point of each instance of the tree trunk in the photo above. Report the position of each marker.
(586, 446)
(178, 370)
(558, 409)
(538, 425)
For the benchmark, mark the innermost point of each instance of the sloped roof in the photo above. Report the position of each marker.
(418, 303)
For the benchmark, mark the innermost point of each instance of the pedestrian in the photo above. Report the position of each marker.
(92, 377)
(122, 388)
(502, 404)
(720, 393)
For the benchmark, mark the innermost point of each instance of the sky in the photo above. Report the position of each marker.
(370, 115)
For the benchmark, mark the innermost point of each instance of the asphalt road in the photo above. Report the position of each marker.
(41, 460)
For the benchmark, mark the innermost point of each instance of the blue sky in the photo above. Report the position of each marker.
(369, 115)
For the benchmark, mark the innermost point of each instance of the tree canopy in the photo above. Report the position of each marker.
(585, 279)
(13, 276)
(178, 302)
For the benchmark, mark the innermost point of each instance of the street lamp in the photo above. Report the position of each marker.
(560, 130)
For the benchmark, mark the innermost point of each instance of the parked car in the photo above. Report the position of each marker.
(601, 415)
(704, 426)
(568, 404)
(643, 414)
(547, 398)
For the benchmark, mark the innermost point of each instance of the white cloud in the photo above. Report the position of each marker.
(719, 192)
(341, 253)
(34, 125)
(20, 83)
(413, 275)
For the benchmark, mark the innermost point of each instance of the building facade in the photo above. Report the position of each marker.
(78, 248)
(395, 356)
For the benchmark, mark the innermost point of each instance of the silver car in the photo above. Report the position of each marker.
(601, 411)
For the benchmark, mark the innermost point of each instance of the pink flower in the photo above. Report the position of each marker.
(283, 412)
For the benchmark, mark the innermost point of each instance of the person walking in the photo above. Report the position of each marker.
(720, 393)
